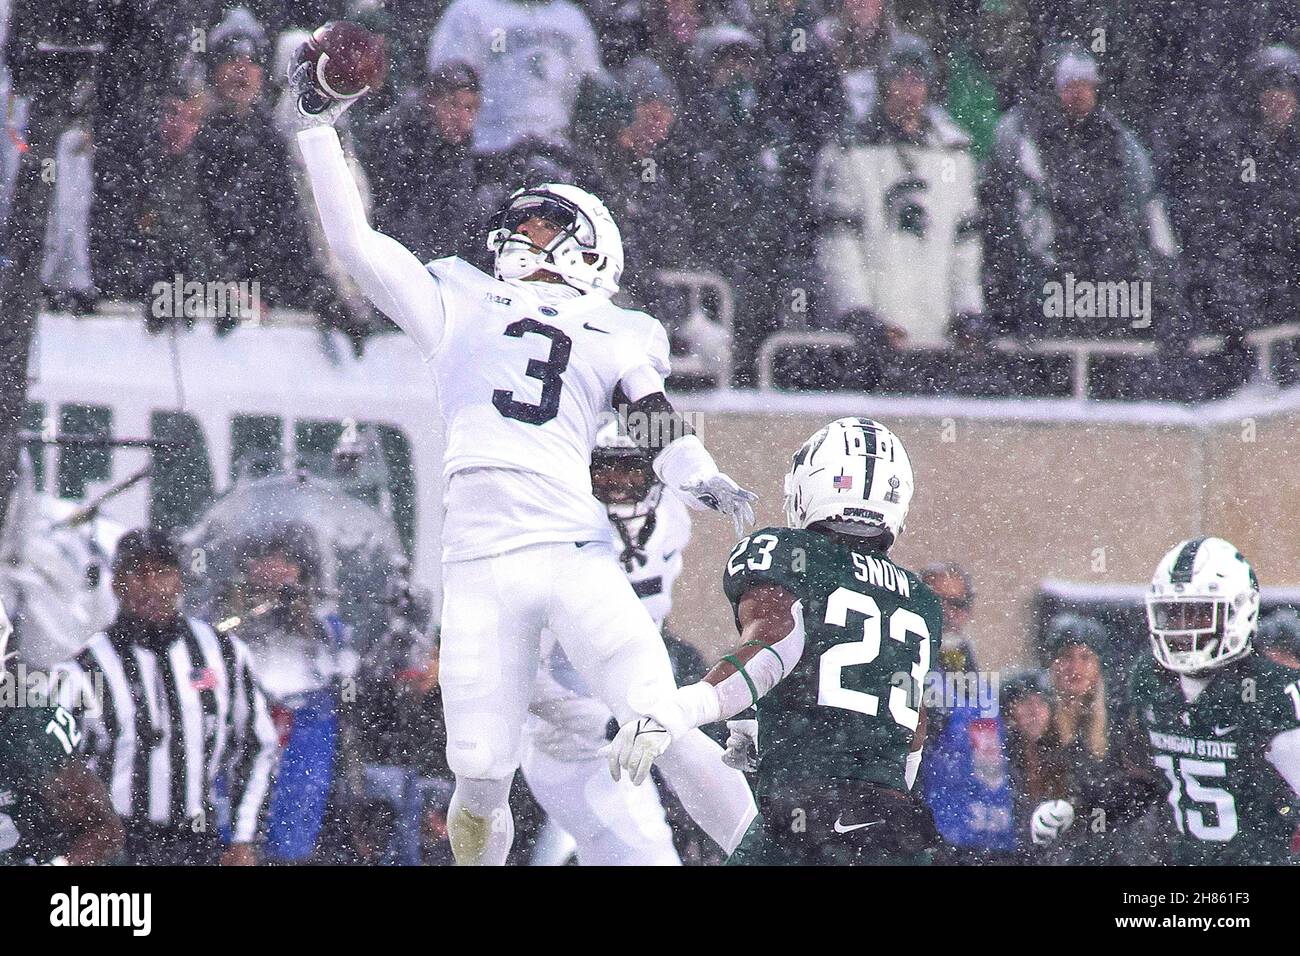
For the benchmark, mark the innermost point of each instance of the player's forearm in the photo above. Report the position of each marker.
(387, 272)
(82, 806)
(98, 844)
(769, 650)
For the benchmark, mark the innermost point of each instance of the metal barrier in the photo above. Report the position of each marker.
(779, 340)
(1081, 351)
(696, 283)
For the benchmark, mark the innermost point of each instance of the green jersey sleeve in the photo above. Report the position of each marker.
(772, 556)
(39, 741)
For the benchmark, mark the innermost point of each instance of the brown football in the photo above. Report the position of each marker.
(347, 58)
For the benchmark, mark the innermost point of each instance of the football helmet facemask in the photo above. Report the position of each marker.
(587, 252)
(623, 479)
(855, 477)
(1203, 606)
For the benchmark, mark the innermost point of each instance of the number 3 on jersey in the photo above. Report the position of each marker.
(547, 372)
(830, 689)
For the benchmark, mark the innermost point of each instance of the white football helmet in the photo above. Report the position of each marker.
(854, 474)
(587, 252)
(1203, 606)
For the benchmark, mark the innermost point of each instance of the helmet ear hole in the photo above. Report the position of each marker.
(590, 258)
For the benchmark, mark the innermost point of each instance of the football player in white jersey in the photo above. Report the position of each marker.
(525, 364)
(610, 823)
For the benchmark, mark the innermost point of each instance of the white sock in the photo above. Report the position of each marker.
(717, 797)
(479, 824)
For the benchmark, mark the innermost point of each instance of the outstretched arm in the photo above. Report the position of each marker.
(680, 459)
(772, 641)
(388, 273)
(82, 806)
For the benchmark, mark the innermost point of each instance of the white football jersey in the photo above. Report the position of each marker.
(524, 381)
(653, 581)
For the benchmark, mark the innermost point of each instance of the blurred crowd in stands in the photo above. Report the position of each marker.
(936, 178)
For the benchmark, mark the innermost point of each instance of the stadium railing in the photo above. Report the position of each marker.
(709, 332)
(1080, 351)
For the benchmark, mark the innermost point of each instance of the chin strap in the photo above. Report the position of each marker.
(634, 551)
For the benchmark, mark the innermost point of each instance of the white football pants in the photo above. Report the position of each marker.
(611, 824)
(494, 611)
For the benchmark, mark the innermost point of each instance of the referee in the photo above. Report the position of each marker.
(173, 714)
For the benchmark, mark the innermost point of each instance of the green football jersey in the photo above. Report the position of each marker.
(849, 708)
(1229, 804)
(35, 743)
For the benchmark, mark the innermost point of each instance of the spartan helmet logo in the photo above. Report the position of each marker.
(892, 495)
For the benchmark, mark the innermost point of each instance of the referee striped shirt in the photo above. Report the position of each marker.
(163, 719)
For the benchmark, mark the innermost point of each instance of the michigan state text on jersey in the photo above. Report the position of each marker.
(1222, 723)
(1219, 725)
(836, 644)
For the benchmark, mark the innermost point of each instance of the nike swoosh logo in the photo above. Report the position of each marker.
(1220, 731)
(592, 328)
(841, 828)
(668, 556)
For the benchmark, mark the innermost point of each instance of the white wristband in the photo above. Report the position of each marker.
(688, 708)
(685, 462)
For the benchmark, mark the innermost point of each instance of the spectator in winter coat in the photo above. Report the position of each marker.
(637, 143)
(1237, 207)
(738, 218)
(1027, 715)
(1071, 197)
(895, 196)
(1075, 758)
(422, 177)
(532, 57)
(245, 184)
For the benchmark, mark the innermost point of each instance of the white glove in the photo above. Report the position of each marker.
(1050, 820)
(724, 496)
(315, 107)
(641, 741)
(638, 744)
(742, 745)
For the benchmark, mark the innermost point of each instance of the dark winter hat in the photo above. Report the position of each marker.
(450, 77)
(1022, 684)
(1069, 628)
(292, 539)
(145, 547)
(238, 34)
(643, 80)
(908, 52)
(1277, 65)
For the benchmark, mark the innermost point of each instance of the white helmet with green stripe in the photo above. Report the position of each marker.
(854, 477)
(1203, 606)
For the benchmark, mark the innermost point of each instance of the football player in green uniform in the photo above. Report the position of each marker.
(1220, 724)
(52, 809)
(836, 642)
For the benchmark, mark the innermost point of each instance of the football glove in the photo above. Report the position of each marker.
(724, 496)
(315, 106)
(742, 745)
(1050, 820)
(638, 744)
